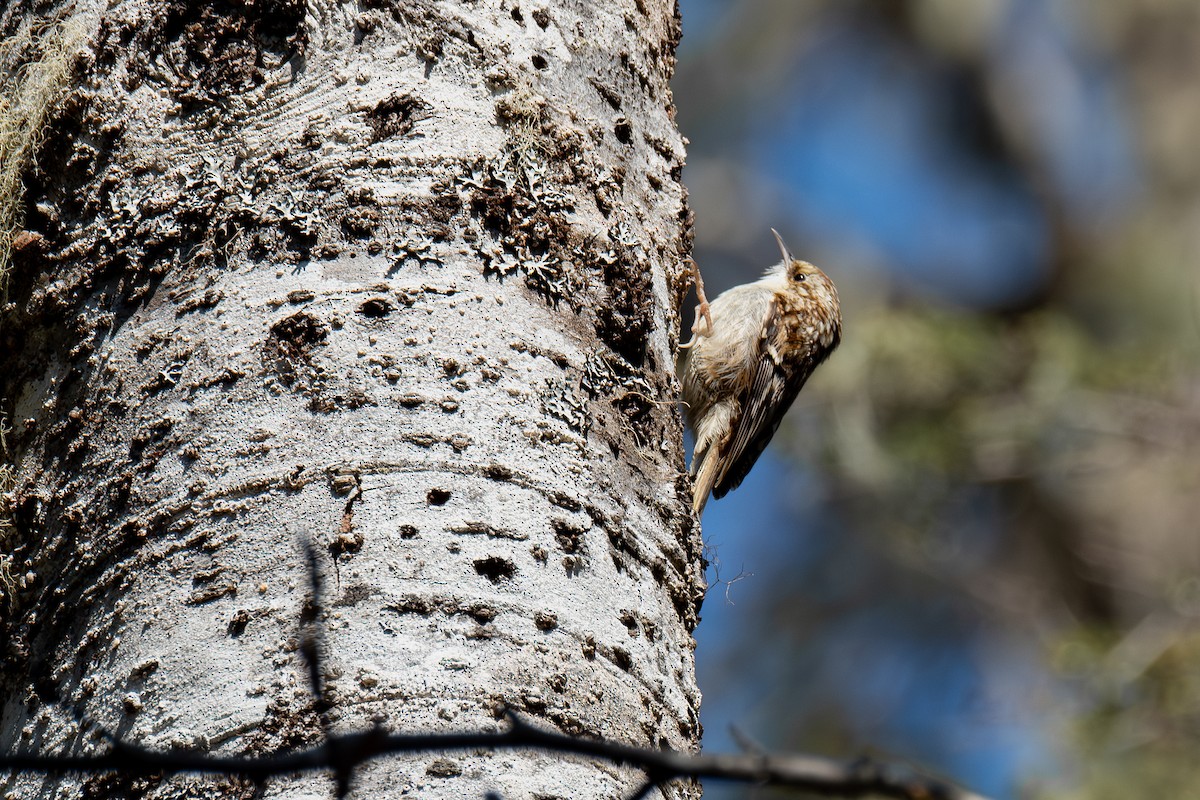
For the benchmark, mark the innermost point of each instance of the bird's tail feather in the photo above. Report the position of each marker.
(706, 478)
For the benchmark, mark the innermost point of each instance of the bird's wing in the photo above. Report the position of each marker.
(773, 387)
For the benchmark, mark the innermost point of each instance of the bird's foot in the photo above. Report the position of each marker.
(702, 310)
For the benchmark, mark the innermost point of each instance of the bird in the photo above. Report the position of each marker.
(742, 370)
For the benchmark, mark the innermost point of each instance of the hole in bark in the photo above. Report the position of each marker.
(375, 308)
(495, 568)
(517, 15)
(437, 497)
(408, 532)
(621, 658)
(239, 621)
(540, 62)
(624, 131)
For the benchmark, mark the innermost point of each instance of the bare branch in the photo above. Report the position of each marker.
(311, 649)
(310, 634)
(342, 753)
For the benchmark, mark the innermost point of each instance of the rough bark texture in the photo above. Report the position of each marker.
(396, 276)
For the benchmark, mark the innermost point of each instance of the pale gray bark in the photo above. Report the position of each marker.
(396, 276)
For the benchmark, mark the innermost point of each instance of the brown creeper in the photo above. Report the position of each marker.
(739, 378)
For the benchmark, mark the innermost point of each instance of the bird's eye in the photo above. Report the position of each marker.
(800, 276)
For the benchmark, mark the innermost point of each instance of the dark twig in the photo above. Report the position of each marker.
(311, 649)
(341, 753)
(310, 634)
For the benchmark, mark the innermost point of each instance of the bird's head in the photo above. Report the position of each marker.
(807, 280)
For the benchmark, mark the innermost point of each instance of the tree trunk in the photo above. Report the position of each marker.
(397, 277)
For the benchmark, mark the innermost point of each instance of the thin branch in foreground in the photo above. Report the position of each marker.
(342, 753)
(310, 635)
(311, 649)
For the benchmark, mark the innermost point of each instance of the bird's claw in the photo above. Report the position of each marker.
(702, 310)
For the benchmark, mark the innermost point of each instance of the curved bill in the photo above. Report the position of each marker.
(782, 247)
